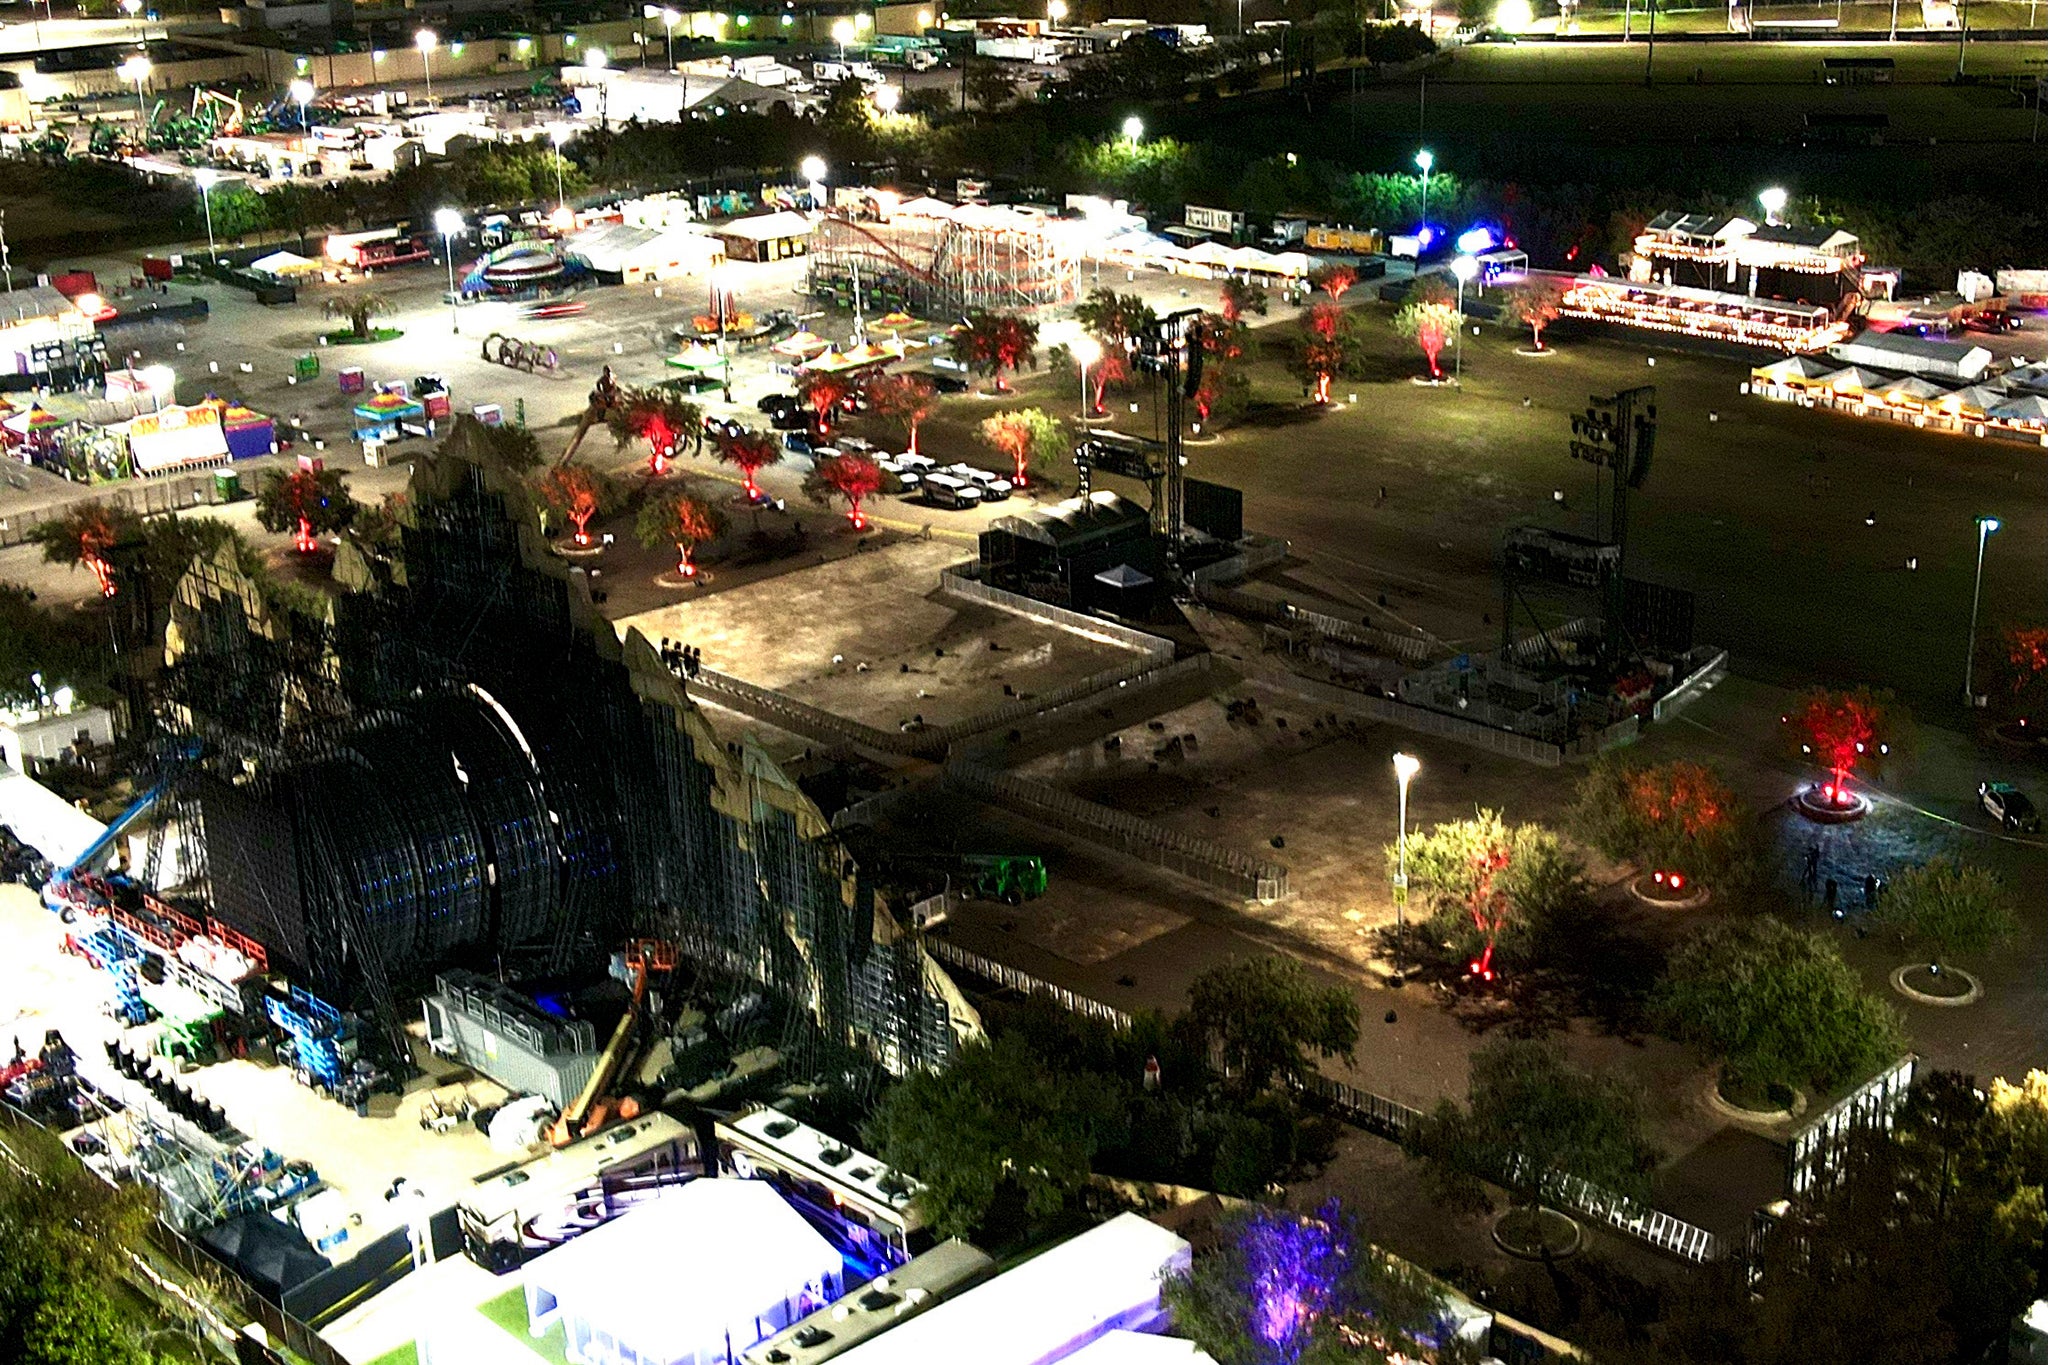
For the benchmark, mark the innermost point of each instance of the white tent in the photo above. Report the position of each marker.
(646, 253)
(177, 438)
(699, 1274)
(924, 206)
(2031, 408)
(284, 264)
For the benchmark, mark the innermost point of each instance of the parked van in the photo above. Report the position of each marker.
(943, 490)
(994, 487)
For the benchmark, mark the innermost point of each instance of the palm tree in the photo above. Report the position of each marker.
(360, 307)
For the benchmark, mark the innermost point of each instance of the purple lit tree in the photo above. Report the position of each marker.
(1292, 1289)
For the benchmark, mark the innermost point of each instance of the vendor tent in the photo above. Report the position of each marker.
(696, 358)
(177, 438)
(285, 265)
(923, 207)
(2031, 408)
(1977, 400)
(1915, 390)
(802, 345)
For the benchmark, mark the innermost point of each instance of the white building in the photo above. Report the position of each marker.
(1950, 360)
(30, 737)
(694, 1277)
(39, 327)
(639, 254)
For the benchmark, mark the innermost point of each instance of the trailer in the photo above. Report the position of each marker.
(1363, 241)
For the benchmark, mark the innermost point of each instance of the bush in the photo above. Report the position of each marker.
(1513, 898)
(1675, 816)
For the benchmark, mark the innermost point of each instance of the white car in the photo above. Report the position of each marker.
(994, 487)
(905, 475)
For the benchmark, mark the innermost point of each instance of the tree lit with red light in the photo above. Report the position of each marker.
(1322, 348)
(855, 478)
(1843, 731)
(683, 521)
(576, 494)
(825, 393)
(750, 452)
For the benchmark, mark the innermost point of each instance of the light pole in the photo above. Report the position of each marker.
(1424, 160)
(1055, 11)
(1405, 768)
(448, 222)
(132, 8)
(668, 29)
(1985, 526)
(558, 137)
(1087, 350)
(842, 34)
(137, 69)
(302, 93)
(1134, 130)
(426, 40)
(1773, 200)
(206, 178)
(814, 170)
(1464, 267)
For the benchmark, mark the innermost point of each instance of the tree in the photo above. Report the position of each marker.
(1225, 387)
(237, 210)
(1493, 890)
(1776, 1006)
(996, 1127)
(1031, 437)
(68, 1236)
(85, 534)
(1325, 330)
(62, 650)
(307, 502)
(905, 399)
(361, 307)
(514, 446)
(1674, 817)
(750, 452)
(1530, 1116)
(1282, 1288)
(1430, 325)
(1112, 318)
(1843, 730)
(1265, 1015)
(577, 494)
(1538, 302)
(1334, 280)
(1242, 298)
(1944, 907)
(994, 344)
(854, 477)
(2021, 665)
(677, 518)
(657, 416)
(989, 86)
(825, 393)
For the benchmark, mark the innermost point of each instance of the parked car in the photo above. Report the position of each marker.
(941, 381)
(2009, 806)
(773, 403)
(802, 443)
(791, 419)
(723, 428)
(906, 476)
(994, 487)
(943, 490)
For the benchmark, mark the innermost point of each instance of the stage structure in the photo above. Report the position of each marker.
(942, 268)
(463, 765)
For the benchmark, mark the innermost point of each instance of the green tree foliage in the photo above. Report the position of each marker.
(515, 447)
(237, 211)
(68, 1235)
(1035, 441)
(990, 86)
(1431, 325)
(1672, 816)
(1281, 1288)
(1775, 1006)
(904, 399)
(361, 307)
(1111, 317)
(996, 345)
(315, 500)
(675, 518)
(1526, 1101)
(1265, 1016)
(1242, 299)
(1945, 907)
(996, 1125)
(1507, 896)
(85, 534)
(62, 648)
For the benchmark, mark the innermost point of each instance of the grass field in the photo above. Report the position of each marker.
(1761, 512)
(1868, 17)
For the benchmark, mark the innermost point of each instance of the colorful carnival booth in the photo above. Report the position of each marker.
(385, 415)
(174, 439)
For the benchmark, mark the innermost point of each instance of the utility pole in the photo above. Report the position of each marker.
(6, 262)
(1650, 59)
(1618, 434)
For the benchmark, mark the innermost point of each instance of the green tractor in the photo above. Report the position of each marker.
(1011, 878)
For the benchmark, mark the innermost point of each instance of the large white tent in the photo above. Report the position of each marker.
(693, 1277)
(635, 254)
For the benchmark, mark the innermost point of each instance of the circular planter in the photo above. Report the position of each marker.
(1647, 889)
(673, 580)
(1819, 809)
(1538, 1234)
(1543, 354)
(2028, 737)
(1419, 382)
(1742, 1113)
(567, 548)
(1910, 980)
(377, 334)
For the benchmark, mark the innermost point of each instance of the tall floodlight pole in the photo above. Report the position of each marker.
(206, 178)
(1464, 267)
(1088, 351)
(448, 222)
(1405, 768)
(668, 28)
(1985, 526)
(1424, 160)
(426, 40)
(302, 92)
(137, 69)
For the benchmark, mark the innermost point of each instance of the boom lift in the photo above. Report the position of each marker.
(590, 1109)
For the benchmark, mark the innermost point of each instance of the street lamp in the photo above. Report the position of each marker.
(668, 29)
(813, 170)
(302, 95)
(842, 34)
(1985, 526)
(1134, 129)
(1087, 350)
(205, 178)
(137, 69)
(1774, 200)
(448, 222)
(1405, 768)
(426, 40)
(1055, 11)
(1425, 159)
(1464, 267)
(887, 97)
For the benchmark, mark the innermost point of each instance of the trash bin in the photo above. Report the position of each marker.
(352, 380)
(307, 366)
(227, 486)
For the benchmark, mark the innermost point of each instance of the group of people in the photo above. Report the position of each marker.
(682, 660)
(1829, 891)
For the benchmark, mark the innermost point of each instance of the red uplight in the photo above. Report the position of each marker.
(1677, 881)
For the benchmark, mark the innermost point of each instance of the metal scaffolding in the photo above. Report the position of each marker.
(936, 268)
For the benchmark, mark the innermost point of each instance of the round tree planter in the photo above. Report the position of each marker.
(569, 549)
(673, 580)
(1647, 889)
(1912, 979)
(1538, 1234)
(377, 334)
(1419, 382)
(1817, 808)
(1742, 1113)
(1543, 354)
(2028, 737)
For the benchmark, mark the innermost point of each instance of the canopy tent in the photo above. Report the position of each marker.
(1856, 379)
(1211, 253)
(2031, 408)
(177, 438)
(898, 319)
(1979, 399)
(801, 345)
(696, 358)
(699, 1274)
(33, 421)
(924, 206)
(855, 357)
(285, 265)
(1914, 389)
(390, 407)
(1794, 372)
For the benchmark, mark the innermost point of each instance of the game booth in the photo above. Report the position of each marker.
(389, 414)
(173, 439)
